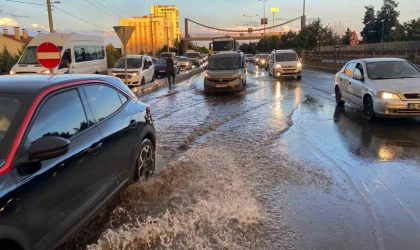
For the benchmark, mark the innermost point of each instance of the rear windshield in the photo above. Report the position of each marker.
(286, 57)
(10, 106)
(264, 56)
(193, 55)
(249, 55)
(166, 55)
(183, 59)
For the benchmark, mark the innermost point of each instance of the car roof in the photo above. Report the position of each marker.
(284, 51)
(370, 60)
(35, 83)
(227, 54)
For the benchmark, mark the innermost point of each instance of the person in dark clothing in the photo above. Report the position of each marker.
(170, 72)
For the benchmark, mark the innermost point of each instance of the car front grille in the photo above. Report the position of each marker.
(412, 96)
(123, 76)
(220, 80)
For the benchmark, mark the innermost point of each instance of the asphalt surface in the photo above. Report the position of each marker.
(277, 166)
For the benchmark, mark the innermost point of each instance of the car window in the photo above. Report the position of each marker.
(349, 69)
(103, 100)
(61, 115)
(359, 69)
(123, 98)
(392, 70)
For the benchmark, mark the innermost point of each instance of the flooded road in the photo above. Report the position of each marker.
(277, 166)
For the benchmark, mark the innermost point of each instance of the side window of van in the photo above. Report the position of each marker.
(66, 58)
(88, 53)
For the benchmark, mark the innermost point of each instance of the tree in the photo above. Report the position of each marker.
(413, 30)
(112, 55)
(7, 61)
(345, 40)
(389, 15)
(369, 32)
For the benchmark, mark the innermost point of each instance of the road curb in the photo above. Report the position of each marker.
(142, 90)
(321, 69)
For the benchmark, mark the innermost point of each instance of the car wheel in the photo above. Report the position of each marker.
(146, 161)
(153, 77)
(368, 109)
(338, 96)
(299, 77)
(143, 82)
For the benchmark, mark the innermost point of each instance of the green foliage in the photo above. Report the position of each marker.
(7, 61)
(112, 55)
(345, 40)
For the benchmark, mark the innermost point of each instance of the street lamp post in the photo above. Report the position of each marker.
(274, 11)
(264, 12)
(383, 27)
(50, 18)
(151, 34)
(250, 18)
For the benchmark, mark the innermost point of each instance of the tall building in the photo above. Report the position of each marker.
(171, 16)
(146, 27)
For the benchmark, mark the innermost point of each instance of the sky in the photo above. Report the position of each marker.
(339, 14)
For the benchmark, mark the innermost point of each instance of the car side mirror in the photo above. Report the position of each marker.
(48, 147)
(358, 77)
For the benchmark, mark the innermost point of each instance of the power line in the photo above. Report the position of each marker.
(117, 8)
(26, 2)
(108, 9)
(102, 10)
(81, 19)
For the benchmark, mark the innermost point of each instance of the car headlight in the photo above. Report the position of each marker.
(299, 65)
(388, 96)
(12, 72)
(46, 71)
(235, 75)
(134, 74)
(114, 74)
(278, 66)
(207, 75)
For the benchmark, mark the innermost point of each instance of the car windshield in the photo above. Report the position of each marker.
(183, 59)
(222, 46)
(224, 63)
(161, 61)
(10, 106)
(392, 70)
(132, 63)
(166, 55)
(193, 55)
(29, 55)
(264, 56)
(249, 55)
(257, 56)
(286, 57)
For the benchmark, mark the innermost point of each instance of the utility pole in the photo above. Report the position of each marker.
(264, 12)
(167, 36)
(50, 18)
(250, 24)
(151, 34)
(303, 20)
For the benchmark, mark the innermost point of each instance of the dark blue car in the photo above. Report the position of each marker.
(68, 144)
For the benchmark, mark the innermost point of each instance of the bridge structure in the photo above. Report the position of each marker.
(240, 34)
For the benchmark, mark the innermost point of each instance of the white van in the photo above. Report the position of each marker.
(284, 63)
(140, 70)
(80, 54)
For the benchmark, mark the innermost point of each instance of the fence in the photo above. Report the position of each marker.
(335, 57)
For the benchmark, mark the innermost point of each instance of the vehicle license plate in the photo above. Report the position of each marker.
(221, 85)
(288, 71)
(414, 105)
(162, 71)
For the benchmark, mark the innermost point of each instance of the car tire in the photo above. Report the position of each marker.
(299, 77)
(338, 96)
(368, 109)
(145, 166)
(153, 77)
(143, 82)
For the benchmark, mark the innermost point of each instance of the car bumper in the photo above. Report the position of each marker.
(235, 85)
(282, 72)
(160, 73)
(262, 64)
(396, 109)
(182, 67)
(132, 80)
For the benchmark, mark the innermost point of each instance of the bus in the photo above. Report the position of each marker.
(224, 44)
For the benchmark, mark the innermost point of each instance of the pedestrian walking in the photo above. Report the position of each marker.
(170, 72)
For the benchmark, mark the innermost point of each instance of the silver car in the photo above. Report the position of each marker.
(226, 71)
(382, 87)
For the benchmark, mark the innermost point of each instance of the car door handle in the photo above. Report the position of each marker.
(94, 149)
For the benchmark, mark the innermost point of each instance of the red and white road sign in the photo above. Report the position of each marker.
(48, 55)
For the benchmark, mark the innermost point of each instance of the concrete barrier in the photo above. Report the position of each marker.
(321, 69)
(142, 90)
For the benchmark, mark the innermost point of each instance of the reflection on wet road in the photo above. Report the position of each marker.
(277, 166)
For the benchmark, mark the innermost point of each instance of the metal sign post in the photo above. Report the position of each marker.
(124, 33)
(274, 11)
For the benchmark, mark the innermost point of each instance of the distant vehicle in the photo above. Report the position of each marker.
(263, 61)
(256, 58)
(160, 68)
(72, 143)
(249, 58)
(80, 54)
(224, 44)
(226, 72)
(382, 87)
(194, 58)
(155, 60)
(168, 55)
(284, 63)
(184, 63)
(140, 70)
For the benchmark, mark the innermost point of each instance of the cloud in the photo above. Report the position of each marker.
(34, 25)
(5, 22)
